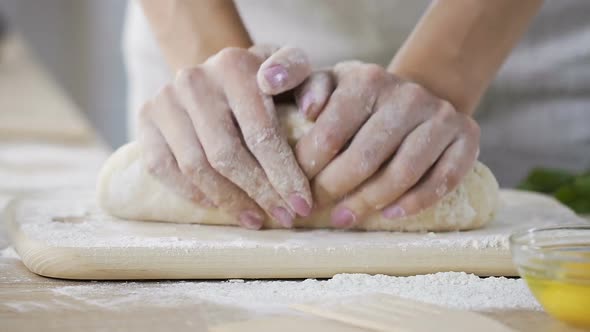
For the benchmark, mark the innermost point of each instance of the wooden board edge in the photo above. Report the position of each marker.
(98, 263)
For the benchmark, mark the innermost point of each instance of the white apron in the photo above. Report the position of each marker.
(536, 113)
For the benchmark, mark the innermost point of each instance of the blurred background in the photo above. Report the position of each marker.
(79, 43)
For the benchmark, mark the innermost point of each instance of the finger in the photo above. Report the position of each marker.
(177, 129)
(262, 134)
(283, 70)
(416, 154)
(223, 146)
(347, 109)
(314, 92)
(374, 143)
(444, 177)
(159, 161)
(264, 51)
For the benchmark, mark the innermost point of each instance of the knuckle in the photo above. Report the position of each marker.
(231, 53)
(373, 203)
(322, 80)
(152, 166)
(224, 157)
(229, 199)
(328, 140)
(197, 195)
(192, 166)
(167, 92)
(376, 198)
(264, 50)
(472, 129)
(372, 74)
(230, 56)
(230, 202)
(404, 175)
(451, 178)
(190, 77)
(347, 66)
(265, 197)
(445, 104)
(157, 165)
(364, 202)
(166, 99)
(295, 55)
(368, 162)
(188, 190)
(264, 138)
(415, 203)
(414, 97)
(405, 178)
(415, 90)
(319, 83)
(446, 114)
(145, 111)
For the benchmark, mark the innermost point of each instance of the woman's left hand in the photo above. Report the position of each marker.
(381, 143)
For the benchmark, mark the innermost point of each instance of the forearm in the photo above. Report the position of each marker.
(458, 46)
(188, 32)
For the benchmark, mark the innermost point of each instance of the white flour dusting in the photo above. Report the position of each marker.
(39, 156)
(71, 219)
(34, 166)
(9, 252)
(65, 222)
(450, 289)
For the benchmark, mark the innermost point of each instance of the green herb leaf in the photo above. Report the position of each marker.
(547, 180)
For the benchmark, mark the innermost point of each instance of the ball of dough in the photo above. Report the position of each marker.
(126, 190)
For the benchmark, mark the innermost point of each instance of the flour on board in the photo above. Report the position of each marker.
(62, 221)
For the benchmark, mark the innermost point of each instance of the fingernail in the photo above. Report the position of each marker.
(283, 216)
(251, 220)
(299, 205)
(276, 75)
(306, 102)
(343, 218)
(393, 212)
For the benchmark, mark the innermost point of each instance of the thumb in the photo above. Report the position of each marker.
(282, 70)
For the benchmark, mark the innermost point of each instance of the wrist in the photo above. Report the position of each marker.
(458, 46)
(443, 82)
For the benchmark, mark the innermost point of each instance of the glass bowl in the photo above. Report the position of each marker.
(555, 262)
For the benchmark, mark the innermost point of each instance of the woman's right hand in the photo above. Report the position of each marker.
(213, 136)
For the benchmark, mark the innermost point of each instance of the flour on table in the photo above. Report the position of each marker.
(449, 289)
(33, 166)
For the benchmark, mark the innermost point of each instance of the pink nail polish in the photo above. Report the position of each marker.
(300, 205)
(276, 76)
(250, 220)
(306, 102)
(393, 212)
(283, 216)
(343, 218)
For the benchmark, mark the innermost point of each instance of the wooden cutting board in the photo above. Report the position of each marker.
(63, 234)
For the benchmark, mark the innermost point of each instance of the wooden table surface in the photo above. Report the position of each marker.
(34, 112)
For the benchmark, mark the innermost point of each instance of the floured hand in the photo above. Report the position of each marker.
(212, 135)
(381, 143)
